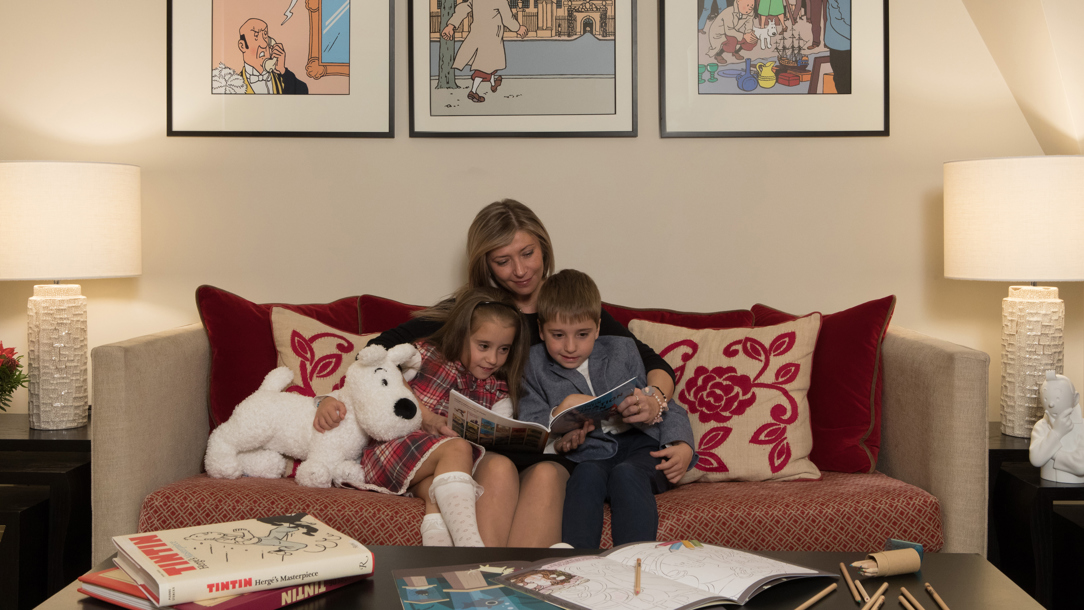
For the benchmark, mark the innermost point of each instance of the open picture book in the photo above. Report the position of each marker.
(479, 425)
(677, 575)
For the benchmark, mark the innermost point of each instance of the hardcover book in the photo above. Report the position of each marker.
(208, 561)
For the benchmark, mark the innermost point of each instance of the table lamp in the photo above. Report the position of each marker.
(65, 221)
(1019, 219)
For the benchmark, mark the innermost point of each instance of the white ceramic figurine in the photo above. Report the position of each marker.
(1057, 440)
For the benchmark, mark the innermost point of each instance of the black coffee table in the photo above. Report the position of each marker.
(965, 582)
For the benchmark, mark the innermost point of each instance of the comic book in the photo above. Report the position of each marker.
(463, 586)
(479, 425)
(113, 585)
(676, 575)
(208, 561)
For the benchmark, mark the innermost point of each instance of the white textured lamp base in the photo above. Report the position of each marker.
(1032, 342)
(57, 363)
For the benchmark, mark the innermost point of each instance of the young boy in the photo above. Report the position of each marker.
(635, 455)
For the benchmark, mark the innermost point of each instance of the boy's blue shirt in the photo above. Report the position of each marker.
(613, 360)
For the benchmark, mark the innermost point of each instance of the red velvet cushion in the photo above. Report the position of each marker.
(242, 345)
(845, 392)
(736, 318)
(379, 314)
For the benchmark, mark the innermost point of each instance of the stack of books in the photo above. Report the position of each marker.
(254, 564)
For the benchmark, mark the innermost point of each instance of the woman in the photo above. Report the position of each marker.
(509, 248)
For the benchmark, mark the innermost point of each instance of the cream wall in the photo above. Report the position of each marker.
(697, 224)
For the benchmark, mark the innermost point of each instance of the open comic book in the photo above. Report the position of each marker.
(463, 586)
(678, 575)
(479, 425)
(207, 561)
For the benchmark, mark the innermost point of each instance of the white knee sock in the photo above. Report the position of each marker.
(455, 494)
(477, 81)
(434, 532)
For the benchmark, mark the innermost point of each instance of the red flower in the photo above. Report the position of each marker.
(7, 357)
(718, 394)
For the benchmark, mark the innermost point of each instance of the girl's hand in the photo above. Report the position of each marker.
(328, 415)
(675, 460)
(434, 424)
(639, 408)
(571, 440)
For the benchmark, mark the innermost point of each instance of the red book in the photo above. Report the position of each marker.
(113, 585)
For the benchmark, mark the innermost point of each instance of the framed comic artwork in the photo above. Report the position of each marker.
(522, 68)
(279, 68)
(773, 68)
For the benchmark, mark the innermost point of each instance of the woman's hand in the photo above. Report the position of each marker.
(328, 415)
(571, 440)
(639, 408)
(434, 424)
(675, 460)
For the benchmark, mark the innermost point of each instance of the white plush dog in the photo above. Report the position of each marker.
(271, 424)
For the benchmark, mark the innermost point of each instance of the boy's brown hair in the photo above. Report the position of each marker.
(571, 296)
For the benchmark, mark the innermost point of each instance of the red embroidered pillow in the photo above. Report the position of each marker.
(737, 318)
(242, 346)
(317, 353)
(745, 391)
(845, 391)
(379, 314)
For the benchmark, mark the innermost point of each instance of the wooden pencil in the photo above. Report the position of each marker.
(816, 598)
(636, 586)
(880, 602)
(906, 604)
(873, 598)
(936, 598)
(850, 582)
(861, 590)
(911, 598)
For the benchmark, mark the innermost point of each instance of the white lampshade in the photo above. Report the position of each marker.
(65, 221)
(69, 221)
(1015, 219)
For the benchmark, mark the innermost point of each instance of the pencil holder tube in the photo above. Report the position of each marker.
(902, 561)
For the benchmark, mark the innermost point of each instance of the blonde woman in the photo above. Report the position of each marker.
(508, 247)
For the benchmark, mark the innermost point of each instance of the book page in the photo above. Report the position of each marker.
(729, 573)
(478, 424)
(599, 408)
(598, 583)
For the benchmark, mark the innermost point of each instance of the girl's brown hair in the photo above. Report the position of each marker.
(471, 309)
(494, 227)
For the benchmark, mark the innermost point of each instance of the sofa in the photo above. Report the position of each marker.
(152, 415)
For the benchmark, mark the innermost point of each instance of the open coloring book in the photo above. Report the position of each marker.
(678, 575)
(479, 425)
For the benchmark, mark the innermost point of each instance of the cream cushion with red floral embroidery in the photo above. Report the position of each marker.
(317, 353)
(745, 391)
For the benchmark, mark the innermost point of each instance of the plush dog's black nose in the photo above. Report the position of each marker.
(405, 408)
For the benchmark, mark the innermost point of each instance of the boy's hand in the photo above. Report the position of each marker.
(638, 408)
(675, 460)
(1061, 424)
(571, 440)
(434, 424)
(571, 401)
(328, 415)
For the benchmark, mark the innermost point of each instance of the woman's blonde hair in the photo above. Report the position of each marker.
(494, 227)
(472, 308)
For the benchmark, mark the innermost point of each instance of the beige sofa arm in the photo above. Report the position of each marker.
(934, 429)
(150, 423)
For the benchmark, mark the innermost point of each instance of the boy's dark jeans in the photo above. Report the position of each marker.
(629, 481)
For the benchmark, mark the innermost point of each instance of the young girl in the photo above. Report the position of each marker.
(480, 351)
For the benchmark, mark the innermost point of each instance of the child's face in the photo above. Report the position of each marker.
(488, 348)
(570, 343)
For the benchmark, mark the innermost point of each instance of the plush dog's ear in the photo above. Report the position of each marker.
(371, 355)
(408, 359)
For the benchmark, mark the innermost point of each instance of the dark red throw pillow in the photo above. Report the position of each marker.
(242, 345)
(379, 314)
(845, 389)
(737, 318)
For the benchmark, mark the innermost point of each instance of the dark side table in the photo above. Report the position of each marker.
(1024, 508)
(1002, 449)
(60, 461)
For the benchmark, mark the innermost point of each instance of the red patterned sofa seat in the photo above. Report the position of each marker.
(841, 512)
